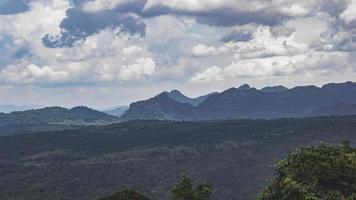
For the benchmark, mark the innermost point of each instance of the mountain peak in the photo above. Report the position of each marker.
(175, 91)
(274, 89)
(244, 87)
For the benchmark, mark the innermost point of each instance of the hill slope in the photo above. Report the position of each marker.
(235, 156)
(51, 118)
(158, 107)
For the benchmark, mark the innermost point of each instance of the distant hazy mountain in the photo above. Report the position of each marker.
(247, 102)
(13, 108)
(116, 111)
(56, 115)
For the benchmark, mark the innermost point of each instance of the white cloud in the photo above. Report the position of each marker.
(204, 50)
(349, 15)
(269, 56)
(132, 50)
(32, 73)
(102, 57)
(43, 17)
(310, 64)
(184, 46)
(142, 68)
(100, 5)
(211, 74)
(97, 59)
(263, 44)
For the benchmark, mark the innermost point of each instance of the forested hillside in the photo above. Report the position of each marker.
(235, 156)
(316, 172)
(51, 118)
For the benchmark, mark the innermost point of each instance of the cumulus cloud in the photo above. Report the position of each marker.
(92, 16)
(341, 33)
(269, 56)
(221, 13)
(204, 50)
(263, 44)
(142, 68)
(348, 16)
(211, 74)
(311, 64)
(120, 42)
(101, 58)
(33, 73)
(106, 55)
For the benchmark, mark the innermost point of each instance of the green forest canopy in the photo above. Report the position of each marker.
(313, 173)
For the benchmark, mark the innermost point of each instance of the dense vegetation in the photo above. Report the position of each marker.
(315, 173)
(51, 118)
(324, 172)
(235, 156)
(55, 115)
(185, 190)
(182, 191)
(126, 194)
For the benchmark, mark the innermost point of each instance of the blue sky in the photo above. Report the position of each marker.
(104, 53)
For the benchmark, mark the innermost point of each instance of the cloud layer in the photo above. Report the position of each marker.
(129, 44)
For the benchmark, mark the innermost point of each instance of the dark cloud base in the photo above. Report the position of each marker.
(78, 25)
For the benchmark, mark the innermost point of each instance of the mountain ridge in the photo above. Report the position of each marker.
(180, 97)
(55, 115)
(249, 102)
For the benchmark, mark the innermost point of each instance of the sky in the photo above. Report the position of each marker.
(103, 53)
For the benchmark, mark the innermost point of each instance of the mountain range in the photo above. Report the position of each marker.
(247, 102)
(55, 115)
(52, 118)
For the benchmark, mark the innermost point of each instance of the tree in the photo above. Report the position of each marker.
(185, 190)
(326, 172)
(126, 194)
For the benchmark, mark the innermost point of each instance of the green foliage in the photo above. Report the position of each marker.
(185, 190)
(325, 172)
(91, 161)
(56, 115)
(126, 194)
